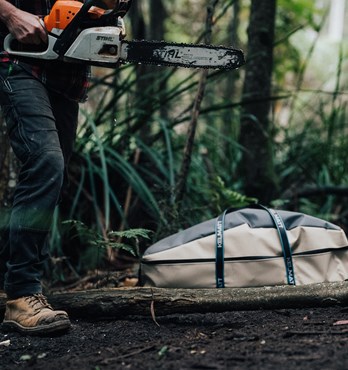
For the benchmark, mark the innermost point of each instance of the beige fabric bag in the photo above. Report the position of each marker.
(252, 252)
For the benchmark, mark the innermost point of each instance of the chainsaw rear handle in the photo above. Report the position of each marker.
(48, 54)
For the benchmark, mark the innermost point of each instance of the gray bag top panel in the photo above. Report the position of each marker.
(254, 218)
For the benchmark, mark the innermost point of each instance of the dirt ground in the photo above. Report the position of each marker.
(311, 338)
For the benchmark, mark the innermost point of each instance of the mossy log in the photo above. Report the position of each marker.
(122, 302)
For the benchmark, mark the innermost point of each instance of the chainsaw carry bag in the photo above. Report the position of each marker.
(247, 248)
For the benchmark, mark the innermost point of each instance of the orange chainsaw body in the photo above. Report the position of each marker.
(64, 11)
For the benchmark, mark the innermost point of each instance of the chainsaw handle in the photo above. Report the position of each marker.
(47, 54)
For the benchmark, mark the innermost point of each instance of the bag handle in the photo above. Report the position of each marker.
(219, 249)
(284, 241)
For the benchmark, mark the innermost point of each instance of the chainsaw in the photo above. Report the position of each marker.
(94, 32)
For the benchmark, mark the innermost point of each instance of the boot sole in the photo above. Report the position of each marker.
(54, 327)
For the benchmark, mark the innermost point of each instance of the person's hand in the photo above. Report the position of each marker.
(26, 28)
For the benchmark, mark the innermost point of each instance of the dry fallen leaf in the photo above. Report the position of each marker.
(341, 322)
(152, 309)
(130, 282)
(25, 358)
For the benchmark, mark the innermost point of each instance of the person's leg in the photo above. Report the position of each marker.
(66, 114)
(34, 138)
(4, 245)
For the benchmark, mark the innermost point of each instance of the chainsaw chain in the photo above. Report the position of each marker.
(142, 53)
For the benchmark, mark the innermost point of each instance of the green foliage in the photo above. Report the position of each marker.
(113, 239)
(297, 12)
(292, 17)
(225, 197)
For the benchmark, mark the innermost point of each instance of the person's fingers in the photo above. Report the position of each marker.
(43, 31)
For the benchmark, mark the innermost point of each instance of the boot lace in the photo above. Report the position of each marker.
(37, 302)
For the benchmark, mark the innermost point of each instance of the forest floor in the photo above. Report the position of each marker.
(307, 338)
(311, 338)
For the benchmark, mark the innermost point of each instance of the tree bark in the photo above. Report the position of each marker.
(158, 15)
(230, 125)
(256, 168)
(151, 84)
(122, 302)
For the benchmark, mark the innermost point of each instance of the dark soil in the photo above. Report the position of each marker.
(311, 338)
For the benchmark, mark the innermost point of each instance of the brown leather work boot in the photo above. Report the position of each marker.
(33, 315)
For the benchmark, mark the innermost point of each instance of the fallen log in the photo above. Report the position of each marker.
(122, 302)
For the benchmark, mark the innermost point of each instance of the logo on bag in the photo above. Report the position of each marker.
(290, 271)
(278, 220)
(220, 283)
(219, 234)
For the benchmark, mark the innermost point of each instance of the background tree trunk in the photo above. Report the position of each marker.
(256, 167)
(158, 15)
(230, 126)
(150, 82)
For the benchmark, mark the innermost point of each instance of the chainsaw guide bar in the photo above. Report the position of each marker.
(163, 53)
